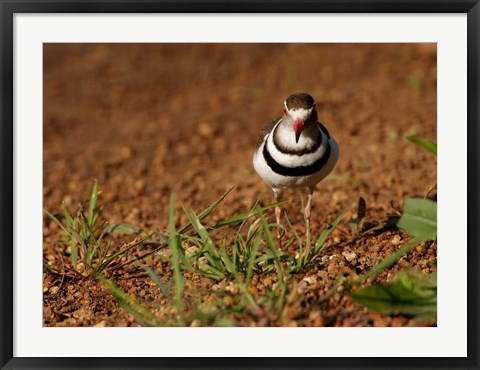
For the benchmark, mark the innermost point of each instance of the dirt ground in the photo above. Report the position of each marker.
(149, 120)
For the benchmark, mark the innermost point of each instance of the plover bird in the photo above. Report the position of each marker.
(295, 150)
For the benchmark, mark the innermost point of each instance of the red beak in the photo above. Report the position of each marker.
(298, 128)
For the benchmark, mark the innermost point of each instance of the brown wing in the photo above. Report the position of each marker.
(266, 130)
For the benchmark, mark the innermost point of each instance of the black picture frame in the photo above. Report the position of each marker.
(9, 8)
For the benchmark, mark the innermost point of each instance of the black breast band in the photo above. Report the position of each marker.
(299, 170)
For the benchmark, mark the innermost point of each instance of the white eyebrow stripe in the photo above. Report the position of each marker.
(309, 111)
(302, 110)
(300, 113)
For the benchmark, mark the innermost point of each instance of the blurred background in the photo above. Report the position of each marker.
(147, 120)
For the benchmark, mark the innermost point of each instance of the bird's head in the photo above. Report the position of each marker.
(299, 112)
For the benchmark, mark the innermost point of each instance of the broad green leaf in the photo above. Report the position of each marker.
(419, 219)
(409, 293)
(426, 144)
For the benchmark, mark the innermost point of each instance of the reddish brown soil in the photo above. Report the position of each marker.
(149, 120)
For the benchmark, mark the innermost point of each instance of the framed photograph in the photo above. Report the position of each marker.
(239, 184)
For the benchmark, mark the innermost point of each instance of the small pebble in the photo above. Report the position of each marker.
(396, 240)
(349, 256)
(205, 129)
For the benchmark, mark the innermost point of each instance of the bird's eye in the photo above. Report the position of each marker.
(285, 111)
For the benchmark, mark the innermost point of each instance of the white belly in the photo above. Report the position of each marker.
(276, 181)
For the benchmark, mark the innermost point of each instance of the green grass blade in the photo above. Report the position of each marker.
(96, 247)
(73, 244)
(173, 244)
(426, 144)
(235, 257)
(252, 257)
(228, 264)
(243, 216)
(390, 260)
(158, 282)
(269, 256)
(58, 222)
(92, 204)
(201, 231)
(184, 262)
(74, 253)
(211, 272)
(68, 217)
(101, 260)
(130, 305)
(297, 237)
(206, 212)
(123, 251)
(273, 249)
(212, 255)
(323, 236)
(85, 230)
(123, 228)
(79, 241)
(245, 220)
(278, 302)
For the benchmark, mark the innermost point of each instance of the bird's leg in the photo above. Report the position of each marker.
(278, 211)
(309, 205)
